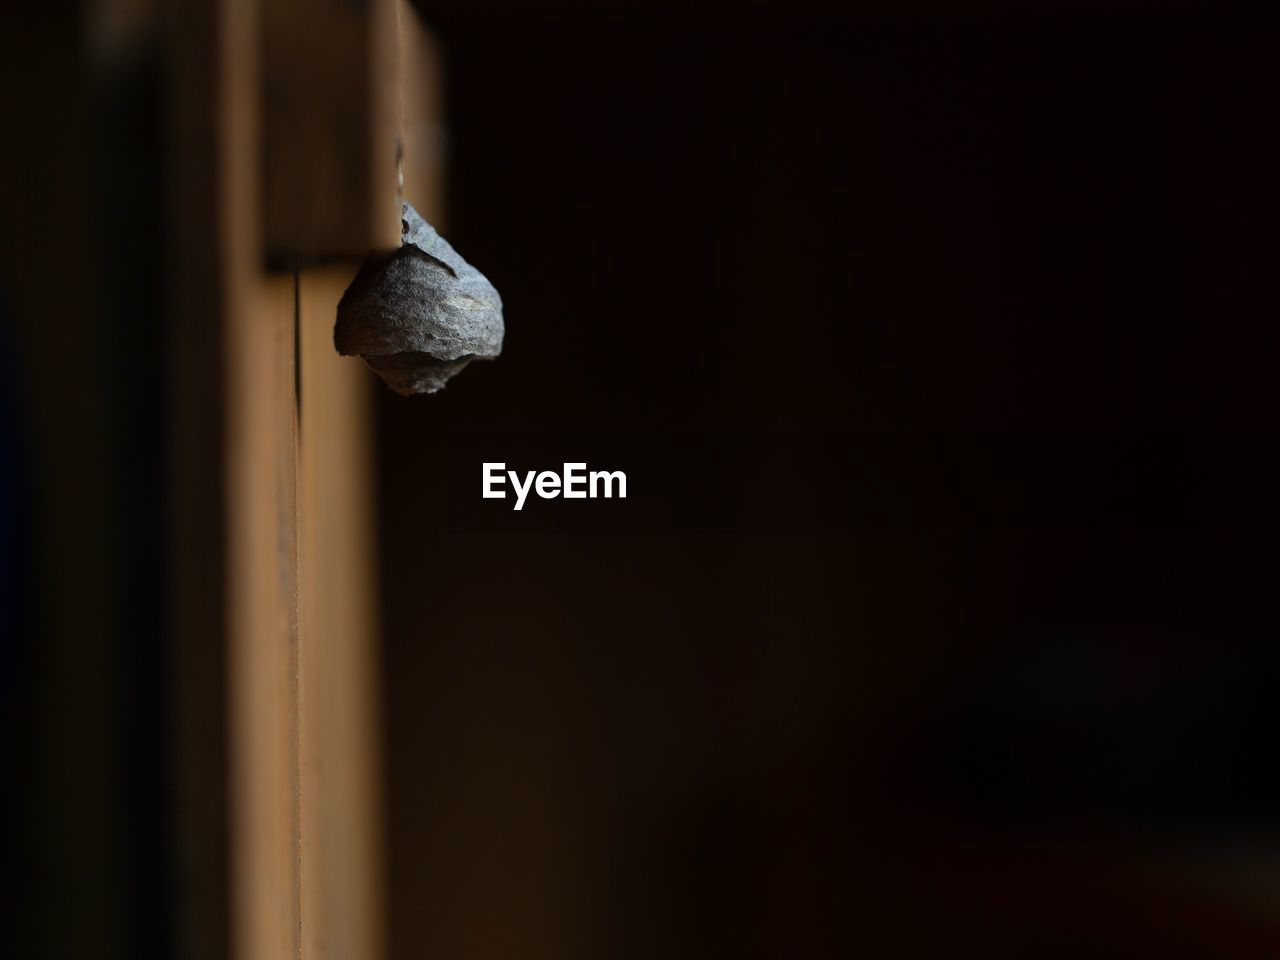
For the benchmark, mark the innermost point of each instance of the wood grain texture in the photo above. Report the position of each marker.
(341, 764)
(262, 621)
(235, 557)
(286, 140)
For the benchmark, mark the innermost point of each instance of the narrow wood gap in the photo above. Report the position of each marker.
(297, 352)
(295, 666)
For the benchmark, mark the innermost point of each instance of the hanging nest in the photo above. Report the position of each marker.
(420, 314)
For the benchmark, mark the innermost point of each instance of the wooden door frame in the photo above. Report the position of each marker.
(293, 125)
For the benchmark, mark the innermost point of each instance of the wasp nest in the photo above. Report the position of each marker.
(420, 314)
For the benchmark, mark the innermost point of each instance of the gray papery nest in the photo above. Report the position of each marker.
(420, 314)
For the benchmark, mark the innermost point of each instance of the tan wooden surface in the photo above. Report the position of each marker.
(287, 152)
(341, 765)
(240, 429)
(262, 597)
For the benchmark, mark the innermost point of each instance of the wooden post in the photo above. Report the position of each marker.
(236, 550)
(341, 864)
(287, 151)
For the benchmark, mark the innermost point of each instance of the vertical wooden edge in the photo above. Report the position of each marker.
(275, 622)
(262, 627)
(341, 762)
(341, 772)
(259, 469)
(234, 551)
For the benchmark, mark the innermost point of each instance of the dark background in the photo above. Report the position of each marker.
(938, 350)
(937, 341)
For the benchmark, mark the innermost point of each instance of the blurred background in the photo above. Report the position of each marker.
(937, 343)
